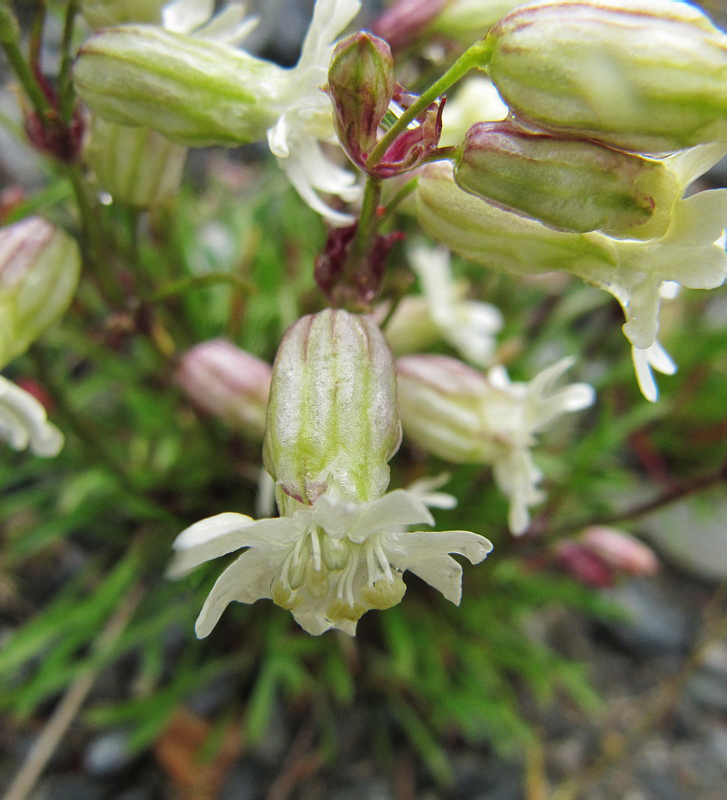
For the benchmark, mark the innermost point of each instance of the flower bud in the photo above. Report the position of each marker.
(567, 183)
(229, 383)
(406, 20)
(333, 420)
(361, 84)
(498, 239)
(622, 551)
(9, 27)
(645, 75)
(109, 13)
(193, 91)
(136, 166)
(39, 268)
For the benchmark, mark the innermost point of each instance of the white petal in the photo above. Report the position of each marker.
(518, 478)
(689, 164)
(441, 572)
(183, 16)
(390, 511)
(228, 27)
(424, 490)
(404, 548)
(330, 17)
(248, 579)
(216, 536)
(23, 422)
(654, 357)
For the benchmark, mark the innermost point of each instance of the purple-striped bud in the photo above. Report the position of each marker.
(571, 184)
(644, 75)
(39, 268)
(333, 419)
(361, 84)
(229, 383)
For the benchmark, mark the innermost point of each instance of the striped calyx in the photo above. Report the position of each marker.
(193, 91)
(571, 184)
(644, 75)
(333, 419)
(136, 166)
(39, 269)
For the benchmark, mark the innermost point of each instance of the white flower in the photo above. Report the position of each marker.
(23, 422)
(306, 117)
(327, 563)
(469, 326)
(465, 417)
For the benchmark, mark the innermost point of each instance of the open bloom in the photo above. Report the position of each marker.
(465, 417)
(633, 271)
(442, 312)
(341, 544)
(329, 562)
(23, 422)
(197, 90)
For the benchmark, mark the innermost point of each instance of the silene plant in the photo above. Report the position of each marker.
(329, 365)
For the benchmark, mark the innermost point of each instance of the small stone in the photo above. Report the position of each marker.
(108, 754)
(652, 624)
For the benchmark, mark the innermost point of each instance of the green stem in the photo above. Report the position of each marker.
(65, 86)
(476, 56)
(94, 237)
(27, 80)
(368, 221)
(398, 198)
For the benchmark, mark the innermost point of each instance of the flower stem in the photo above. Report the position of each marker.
(476, 56)
(27, 80)
(65, 85)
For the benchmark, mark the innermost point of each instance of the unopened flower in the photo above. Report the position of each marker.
(571, 184)
(598, 554)
(470, 326)
(406, 20)
(465, 417)
(632, 271)
(39, 269)
(644, 75)
(364, 93)
(341, 545)
(229, 383)
(23, 422)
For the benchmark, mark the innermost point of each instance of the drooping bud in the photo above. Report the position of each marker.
(109, 13)
(193, 91)
(567, 183)
(463, 416)
(39, 268)
(498, 239)
(644, 75)
(622, 551)
(361, 84)
(406, 20)
(365, 93)
(136, 166)
(333, 420)
(228, 382)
